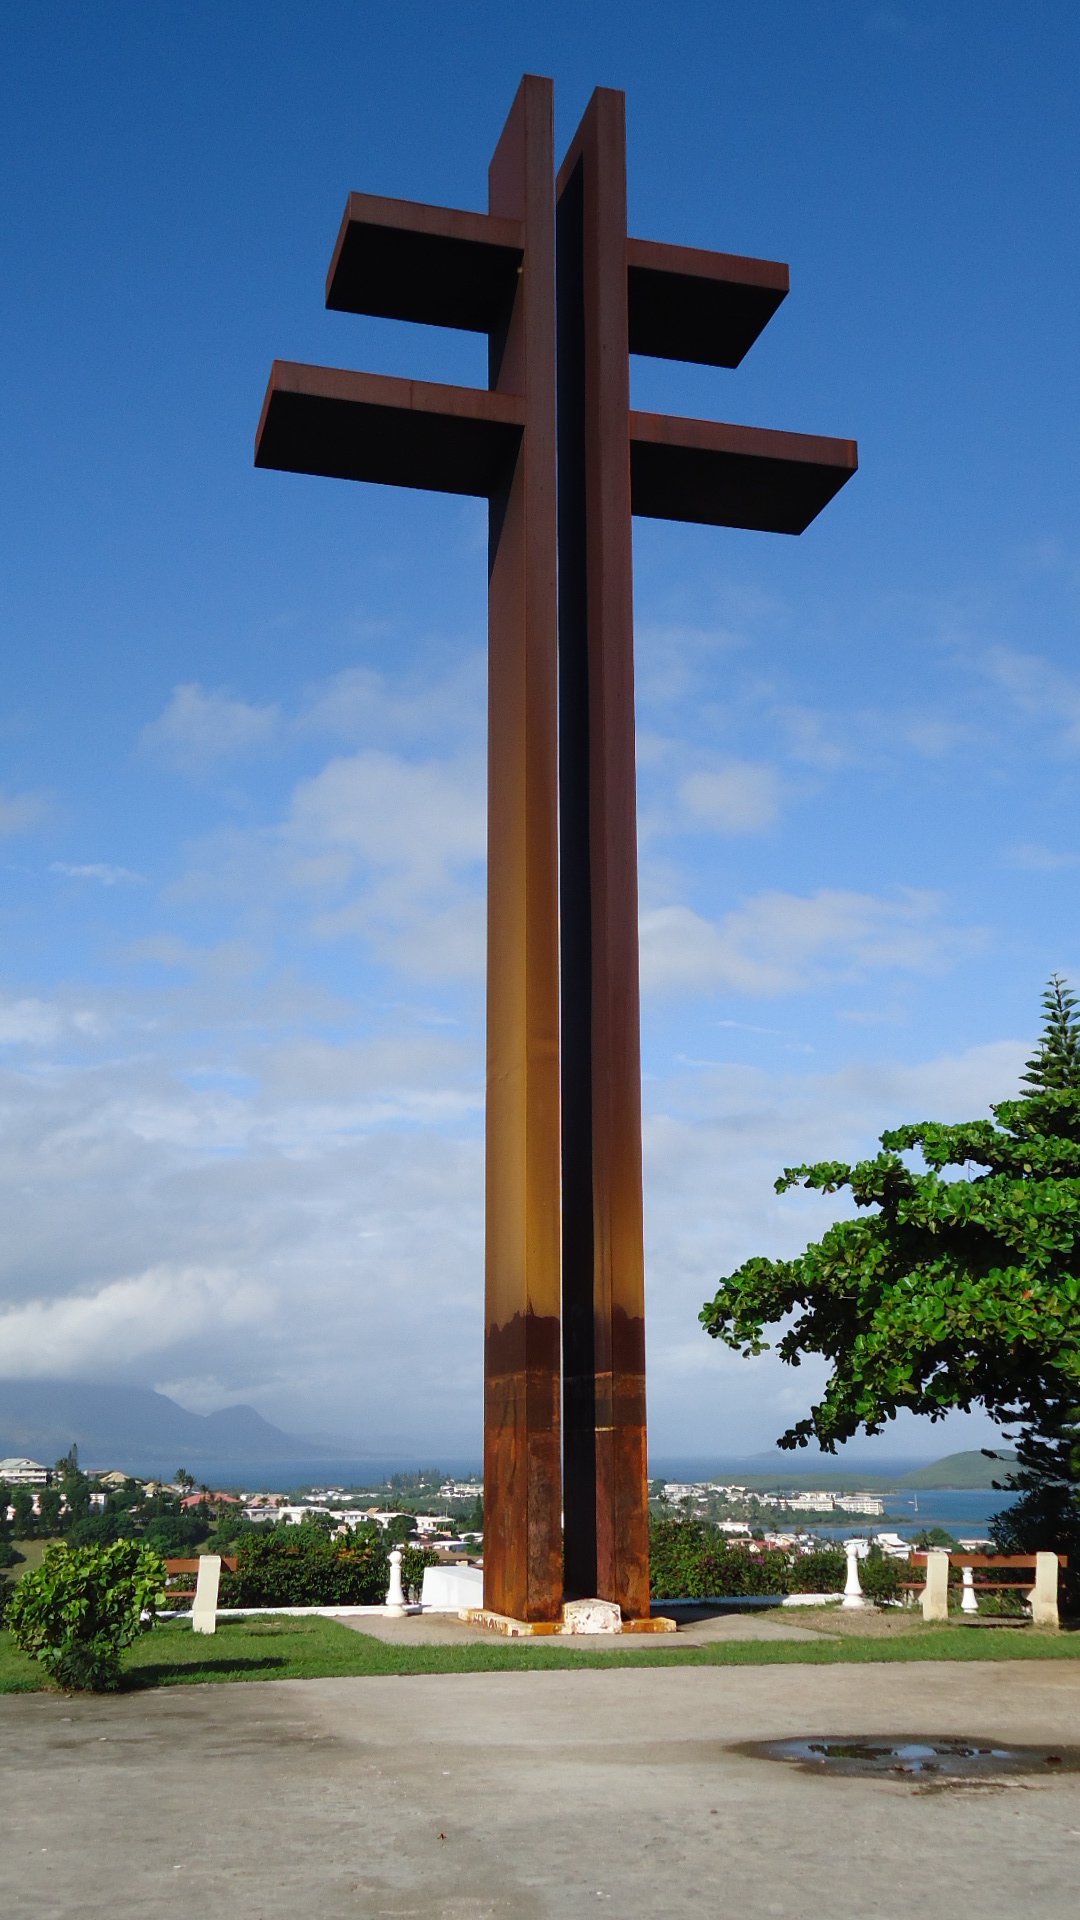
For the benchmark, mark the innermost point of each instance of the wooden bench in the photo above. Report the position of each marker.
(204, 1594)
(1039, 1567)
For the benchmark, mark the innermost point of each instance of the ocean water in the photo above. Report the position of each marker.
(958, 1513)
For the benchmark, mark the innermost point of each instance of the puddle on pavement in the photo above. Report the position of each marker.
(917, 1756)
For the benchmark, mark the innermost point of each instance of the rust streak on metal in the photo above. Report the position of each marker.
(606, 1496)
(522, 1493)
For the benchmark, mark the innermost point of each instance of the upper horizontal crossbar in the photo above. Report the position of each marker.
(402, 433)
(728, 476)
(685, 303)
(440, 265)
(449, 267)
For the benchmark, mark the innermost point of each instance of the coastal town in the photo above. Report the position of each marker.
(446, 1515)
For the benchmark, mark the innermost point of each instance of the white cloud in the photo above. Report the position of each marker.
(31, 1023)
(786, 943)
(415, 817)
(401, 846)
(197, 729)
(377, 847)
(1032, 858)
(130, 1319)
(297, 1220)
(21, 811)
(738, 797)
(97, 870)
(813, 736)
(1039, 689)
(673, 662)
(228, 960)
(368, 709)
(309, 1233)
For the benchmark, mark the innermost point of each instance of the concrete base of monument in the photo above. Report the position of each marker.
(578, 1617)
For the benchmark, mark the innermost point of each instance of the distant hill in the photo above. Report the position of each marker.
(136, 1430)
(959, 1472)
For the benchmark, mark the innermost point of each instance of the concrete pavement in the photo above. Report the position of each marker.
(697, 1628)
(532, 1796)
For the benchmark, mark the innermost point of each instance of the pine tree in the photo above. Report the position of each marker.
(1056, 1064)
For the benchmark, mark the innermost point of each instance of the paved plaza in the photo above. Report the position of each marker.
(533, 1796)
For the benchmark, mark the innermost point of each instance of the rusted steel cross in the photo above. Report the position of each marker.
(563, 462)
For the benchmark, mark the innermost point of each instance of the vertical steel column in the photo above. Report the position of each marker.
(605, 1486)
(522, 1544)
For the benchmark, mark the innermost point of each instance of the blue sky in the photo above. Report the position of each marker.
(242, 726)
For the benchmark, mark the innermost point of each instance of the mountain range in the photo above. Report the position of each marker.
(146, 1433)
(136, 1429)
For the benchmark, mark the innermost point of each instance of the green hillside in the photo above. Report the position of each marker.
(957, 1472)
(960, 1472)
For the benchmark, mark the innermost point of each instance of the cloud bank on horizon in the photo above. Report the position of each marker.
(242, 790)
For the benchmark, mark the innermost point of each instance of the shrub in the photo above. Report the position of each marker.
(413, 1562)
(300, 1566)
(822, 1570)
(689, 1560)
(79, 1609)
(879, 1576)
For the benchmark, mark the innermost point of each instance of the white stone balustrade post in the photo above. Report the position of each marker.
(1044, 1594)
(935, 1594)
(395, 1598)
(853, 1593)
(204, 1605)
(968, 1601)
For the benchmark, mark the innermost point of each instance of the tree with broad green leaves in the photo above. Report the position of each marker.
(948, 1292)
(82, 1606)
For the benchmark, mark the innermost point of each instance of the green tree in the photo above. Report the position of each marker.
(24, 1520)
(94, 1530)
(1056, 1060)
(231, 1525)
(9, 1553)
(177, 1533)
(399, 1529)
(74, 1488)
(935, 1537)
(289, 1566)
(947, 1292)
(49, 1521)
(413, 1562)
(82, 1606)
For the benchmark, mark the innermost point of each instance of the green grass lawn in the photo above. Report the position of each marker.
(33, 1552)
(281, 1648)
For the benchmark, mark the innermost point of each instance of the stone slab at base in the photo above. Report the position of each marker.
(593, 1617)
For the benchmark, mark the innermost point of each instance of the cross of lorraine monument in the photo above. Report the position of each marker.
(564, 296)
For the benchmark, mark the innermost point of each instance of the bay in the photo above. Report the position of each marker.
(968, 1513)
